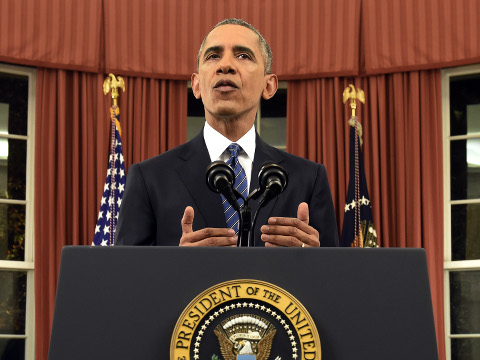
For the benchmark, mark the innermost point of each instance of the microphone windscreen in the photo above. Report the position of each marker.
(219, 174)
(272, 173)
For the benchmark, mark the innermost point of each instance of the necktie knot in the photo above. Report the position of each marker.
(234, 149)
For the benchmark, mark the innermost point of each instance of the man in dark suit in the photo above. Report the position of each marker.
(167, 200)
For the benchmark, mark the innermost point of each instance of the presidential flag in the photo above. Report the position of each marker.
(113, 189)
(358, 229)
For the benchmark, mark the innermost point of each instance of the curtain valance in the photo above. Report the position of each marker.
(309, 39)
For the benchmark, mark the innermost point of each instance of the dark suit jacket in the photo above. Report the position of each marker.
(159, 189)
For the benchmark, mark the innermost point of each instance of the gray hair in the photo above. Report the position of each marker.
(264, 48)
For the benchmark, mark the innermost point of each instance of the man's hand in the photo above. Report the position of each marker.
(204, 237)
(282, 231)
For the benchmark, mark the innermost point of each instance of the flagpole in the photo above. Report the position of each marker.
(115, 182)
(364, 234)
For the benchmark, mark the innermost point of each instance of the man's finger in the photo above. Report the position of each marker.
(282, 240)
(285, 230)
(302, 212)
(276, 226)
(268, 244)
(215, 241)
(210, 233)
(187, 220)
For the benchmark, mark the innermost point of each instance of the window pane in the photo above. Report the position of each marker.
(13, 160)
(12, 349)
(465, 169)
(466, 232)
(465, 105)
(464, 302)
(274, 130)
(465, 349)
(195, 115)
(13, 291)
(13, 104)
(273, 124)
(194, 105)
(194, 125)
(12, 232)
(276, 106)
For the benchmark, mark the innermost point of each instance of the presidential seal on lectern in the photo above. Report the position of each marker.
(245, 320)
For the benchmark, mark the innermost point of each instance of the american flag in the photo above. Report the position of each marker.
(113, 189)
(358, 229)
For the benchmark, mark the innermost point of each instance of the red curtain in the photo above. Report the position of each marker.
(301, 34)
(309, 39)
(402, 35)
(52, 33)
(402, 150)
(71, 154)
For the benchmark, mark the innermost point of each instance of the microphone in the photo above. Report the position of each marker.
(220, 179)
(272, 179)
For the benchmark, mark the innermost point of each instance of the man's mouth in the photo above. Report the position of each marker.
(225, 85)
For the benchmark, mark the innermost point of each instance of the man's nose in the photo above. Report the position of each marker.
(226, 65)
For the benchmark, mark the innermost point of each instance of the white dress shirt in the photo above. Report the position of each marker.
(217, 146)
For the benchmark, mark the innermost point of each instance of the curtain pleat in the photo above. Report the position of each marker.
(160, 39)
(138, 43)
(71, 155)
(403, 35)
(310, 39)
(52, 33)
(316, 129)
(402, 133)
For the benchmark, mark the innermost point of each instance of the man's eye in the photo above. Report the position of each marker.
(244, 56)
(212, 56)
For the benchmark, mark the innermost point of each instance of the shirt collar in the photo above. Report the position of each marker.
(217, 143)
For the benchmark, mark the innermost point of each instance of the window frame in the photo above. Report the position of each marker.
(258, 116)
(449, 265)
(28, 264)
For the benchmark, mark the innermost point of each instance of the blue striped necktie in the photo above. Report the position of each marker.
(240, 185)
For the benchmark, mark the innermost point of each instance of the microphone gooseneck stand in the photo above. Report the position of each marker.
(272, 181)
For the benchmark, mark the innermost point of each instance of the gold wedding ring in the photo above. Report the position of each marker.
(303, 245)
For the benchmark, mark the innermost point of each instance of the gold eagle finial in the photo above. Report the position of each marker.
(113, 83)
(353, 94)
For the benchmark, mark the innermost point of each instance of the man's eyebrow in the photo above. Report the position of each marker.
(215, 48)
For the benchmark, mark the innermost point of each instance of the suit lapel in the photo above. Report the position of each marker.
(195, 161)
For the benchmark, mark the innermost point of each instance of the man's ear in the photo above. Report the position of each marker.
(196, 86)
(271, 86)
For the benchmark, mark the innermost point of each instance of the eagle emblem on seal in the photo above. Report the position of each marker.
(245, 337)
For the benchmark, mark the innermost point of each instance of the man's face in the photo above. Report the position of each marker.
(231, 77)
